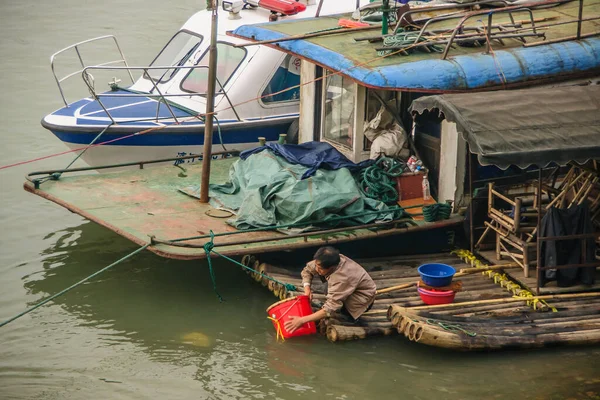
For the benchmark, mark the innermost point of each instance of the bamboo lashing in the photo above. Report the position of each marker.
(509, 299)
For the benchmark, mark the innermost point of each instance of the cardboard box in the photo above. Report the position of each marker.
(410, 185)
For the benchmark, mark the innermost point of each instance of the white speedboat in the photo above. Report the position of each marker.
(159, 114)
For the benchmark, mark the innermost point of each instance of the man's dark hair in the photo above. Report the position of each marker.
(327, 257)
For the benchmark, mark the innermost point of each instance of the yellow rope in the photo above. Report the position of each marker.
(502, 279)
(278, 329)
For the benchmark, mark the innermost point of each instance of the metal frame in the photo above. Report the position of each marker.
(76, 46)
(162, 98)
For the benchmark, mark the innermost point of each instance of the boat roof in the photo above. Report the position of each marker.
(465, 68)
(524, 127)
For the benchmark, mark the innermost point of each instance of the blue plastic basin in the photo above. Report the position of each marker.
(436, 275)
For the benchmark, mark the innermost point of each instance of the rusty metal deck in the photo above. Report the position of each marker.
(138, 204)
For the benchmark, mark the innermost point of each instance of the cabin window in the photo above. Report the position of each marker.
(287, 76)
(338, 119)
(229, 59)
(179, 49)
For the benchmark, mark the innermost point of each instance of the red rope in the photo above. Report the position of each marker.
(206, 114)
(73, 150)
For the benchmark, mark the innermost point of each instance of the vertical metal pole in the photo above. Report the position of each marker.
(487, 34)
(579, 19)
(210, 105)
(319, 8)
(539, 226)
(472, 245)
(384, 22)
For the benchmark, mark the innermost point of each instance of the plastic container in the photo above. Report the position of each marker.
(347, 23)
(426, 191)
(436, 296)
(436, 275)
(281, 311)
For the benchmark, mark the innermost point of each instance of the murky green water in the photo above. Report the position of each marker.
(153, 328)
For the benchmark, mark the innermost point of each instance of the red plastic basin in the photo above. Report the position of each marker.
(436, 296)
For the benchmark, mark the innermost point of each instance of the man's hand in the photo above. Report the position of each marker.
(294, 323)
(308, 292)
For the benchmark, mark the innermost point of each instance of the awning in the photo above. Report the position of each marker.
(524, 127)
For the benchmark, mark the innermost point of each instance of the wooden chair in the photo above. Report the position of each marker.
(513, 212)
(513, 217)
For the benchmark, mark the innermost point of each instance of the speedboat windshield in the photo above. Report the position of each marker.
(179, 49)
(229, 60)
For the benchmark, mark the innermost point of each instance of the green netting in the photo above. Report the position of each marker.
(266, 190)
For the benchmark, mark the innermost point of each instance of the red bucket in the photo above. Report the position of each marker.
(436, 296)
(281, 311)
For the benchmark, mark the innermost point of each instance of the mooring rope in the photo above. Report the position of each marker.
(451, 327)
(209, 248)
(376, 181)
(393, 210)
(41, 303)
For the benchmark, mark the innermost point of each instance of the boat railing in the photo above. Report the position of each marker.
(55, 174)
(506, 31)
(405, 18)
(154, 93)
(77, 49)
(488, 31)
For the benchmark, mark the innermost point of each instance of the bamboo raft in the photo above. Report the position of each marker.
(576, 322)
(484, 315)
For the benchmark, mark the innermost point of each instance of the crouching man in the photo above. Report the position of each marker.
(350, 289)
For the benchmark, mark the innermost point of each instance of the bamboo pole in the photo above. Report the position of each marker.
(466, 271)
(394, 288)
(528, 317)
(337, 333)
(261, 274)
(508, 300)
(257, 277)
(457, 341)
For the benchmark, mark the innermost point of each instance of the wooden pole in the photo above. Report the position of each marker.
(471, 244)
(210, 105)
(393, 288)
(336, 333)
(579, 17)
(509, 299)
(538, 245)
(467, 271)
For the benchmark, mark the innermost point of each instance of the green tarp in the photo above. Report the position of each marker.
(266, 190)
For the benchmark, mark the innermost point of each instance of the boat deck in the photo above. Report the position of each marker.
(142, 203)
(484, 315)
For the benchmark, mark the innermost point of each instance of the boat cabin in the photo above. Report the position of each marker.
(351, 78)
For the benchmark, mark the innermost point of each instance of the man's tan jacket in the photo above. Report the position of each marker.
(348, 285)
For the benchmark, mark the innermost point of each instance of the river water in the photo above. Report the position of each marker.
(153, 328)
